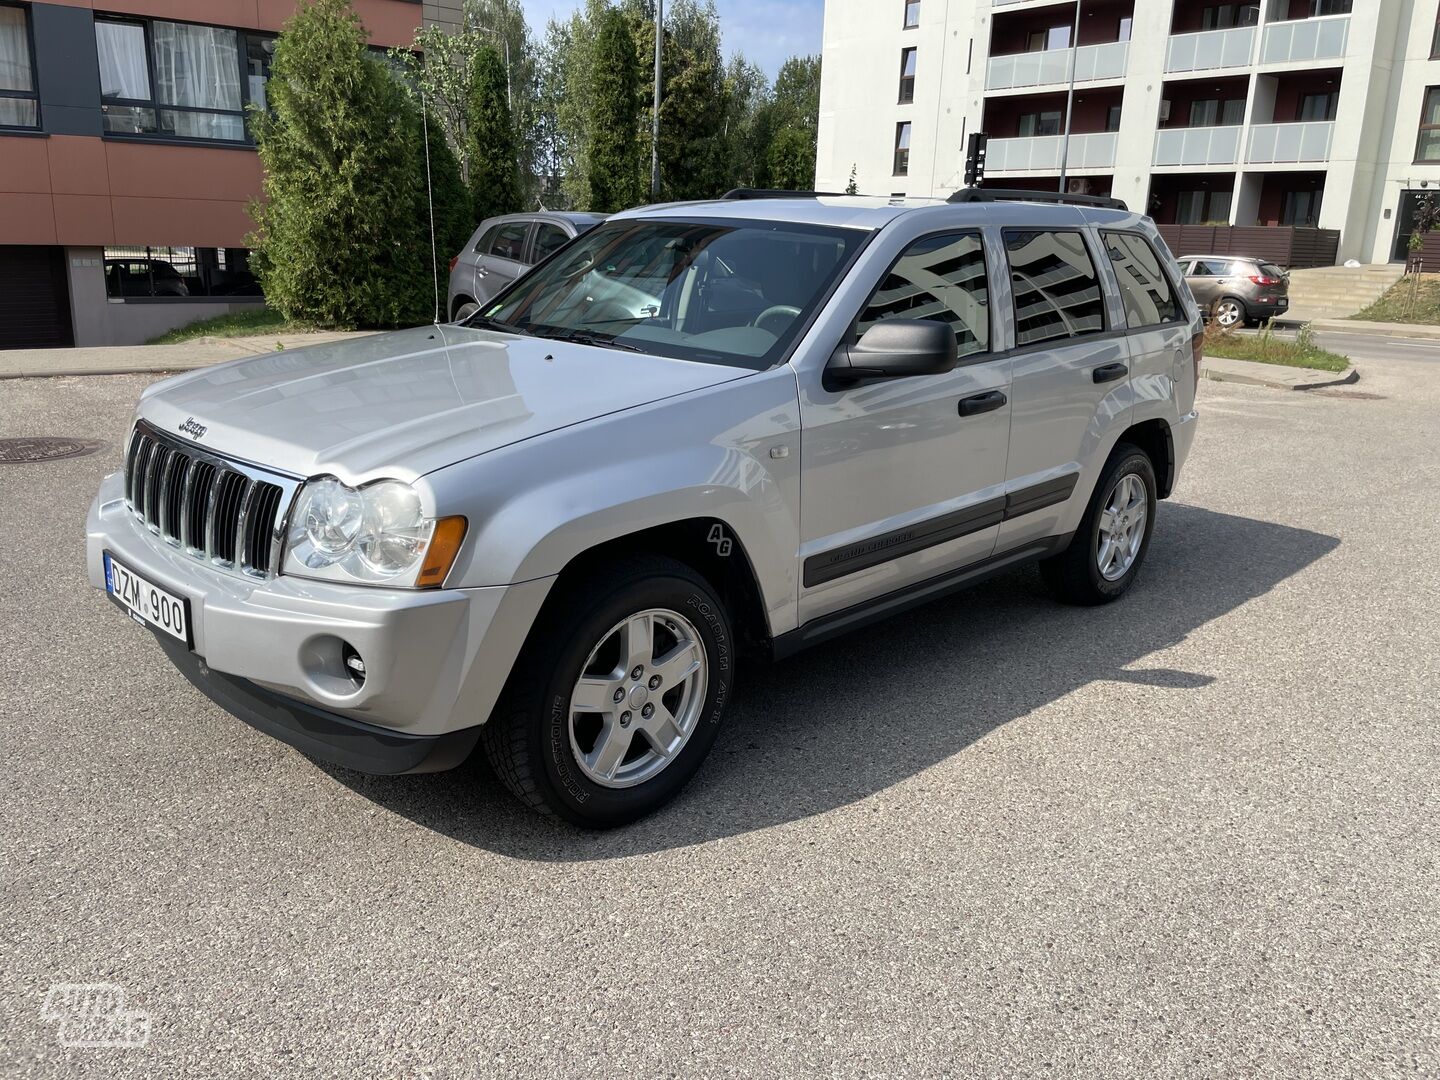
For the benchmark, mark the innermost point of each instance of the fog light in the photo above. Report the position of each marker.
(353, 663)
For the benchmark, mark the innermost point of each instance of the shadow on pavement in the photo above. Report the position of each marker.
(857, 715)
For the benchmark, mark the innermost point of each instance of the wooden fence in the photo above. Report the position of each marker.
(1290, 246)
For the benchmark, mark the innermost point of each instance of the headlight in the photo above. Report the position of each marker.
(374, 535)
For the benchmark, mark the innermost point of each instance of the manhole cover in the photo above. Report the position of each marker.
(21, 451)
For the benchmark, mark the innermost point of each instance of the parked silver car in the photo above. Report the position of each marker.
(703, 434)
(1235, 290)
(503, 248)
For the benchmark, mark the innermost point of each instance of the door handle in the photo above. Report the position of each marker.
(1110, 372)
(982, 403)
(480, 271)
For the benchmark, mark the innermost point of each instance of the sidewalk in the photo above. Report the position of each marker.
(133, 359)
(1365, 329)
(1277, 376)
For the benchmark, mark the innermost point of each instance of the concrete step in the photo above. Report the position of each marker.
(1338, 291)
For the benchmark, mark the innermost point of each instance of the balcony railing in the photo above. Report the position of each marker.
(1286, 144)
(1092, 64)
(1093, 150)
(1210, 50)
(1320, 38)
(1197, 146)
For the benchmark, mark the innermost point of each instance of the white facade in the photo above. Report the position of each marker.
(1290, 118)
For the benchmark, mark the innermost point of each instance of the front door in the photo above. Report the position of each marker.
(1405, 223)
(504, 262)
(903, 479)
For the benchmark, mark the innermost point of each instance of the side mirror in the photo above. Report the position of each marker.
(894, 349)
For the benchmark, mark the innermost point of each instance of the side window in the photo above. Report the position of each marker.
(1149, 298)
(548, 240)
(510, 241)
(482, 246)
(939, 277)
(1055, 287)
(1212, 268)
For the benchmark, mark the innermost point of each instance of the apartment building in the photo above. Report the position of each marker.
(1318, 113)
(126, 159)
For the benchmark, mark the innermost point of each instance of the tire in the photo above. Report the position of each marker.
(1075, 575)
(554, 757)
(464, 310)
(1229, 312)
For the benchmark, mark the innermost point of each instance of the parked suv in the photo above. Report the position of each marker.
(703, 433)
(1234, 290)
(503, 248)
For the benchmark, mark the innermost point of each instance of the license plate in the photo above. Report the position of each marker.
(148, 604)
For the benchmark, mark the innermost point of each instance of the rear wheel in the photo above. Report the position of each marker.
(1228, 313)
(1105, 555)
(618, 696)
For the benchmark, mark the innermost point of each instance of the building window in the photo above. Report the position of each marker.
(912, 14)
(1127, 27)
(1054, 286)
(1148, 295)
(940, 278)
(1202, 207)
(1429, 145)
(907, 76)
(1435, 39)
(1211, 112)
(18, 105)
(174, 273)
(902, 149)
(1330, 7)
(1112, 118)
(1224, 16)
(1318, 106)
(1057, 37)
(178, 79)
(1039, 123)
(1301, 208)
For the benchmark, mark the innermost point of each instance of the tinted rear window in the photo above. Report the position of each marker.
(1144, 286)
(1055, 287)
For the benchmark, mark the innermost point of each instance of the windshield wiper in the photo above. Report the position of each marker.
(482, 322)
(585, 337)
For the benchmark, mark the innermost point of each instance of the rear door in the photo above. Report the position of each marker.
(505, 259)
(1207, 279)
(1069, 379)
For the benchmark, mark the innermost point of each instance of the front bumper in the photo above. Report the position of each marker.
(435, 660)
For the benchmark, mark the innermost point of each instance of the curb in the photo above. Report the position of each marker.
(1345, 378)
(1363, 329)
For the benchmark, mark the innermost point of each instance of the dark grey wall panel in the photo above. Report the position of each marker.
(67, 69)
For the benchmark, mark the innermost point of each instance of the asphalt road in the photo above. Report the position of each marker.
(1191, 834)
(1367, 347)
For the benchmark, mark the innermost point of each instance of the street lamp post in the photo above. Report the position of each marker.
(1070, 98)
(655, 109)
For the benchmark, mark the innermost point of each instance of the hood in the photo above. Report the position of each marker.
(407, 403)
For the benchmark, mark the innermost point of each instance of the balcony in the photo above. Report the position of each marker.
(1210, 50)
(1093, 63)
(1094, 150)
(1289, 144)
(1302, 40)
(1197, 146)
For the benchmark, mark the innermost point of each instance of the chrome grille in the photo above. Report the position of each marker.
(225, 512)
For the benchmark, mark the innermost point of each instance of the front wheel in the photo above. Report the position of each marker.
(1104, 556)
(618, 695)
(1229, 313)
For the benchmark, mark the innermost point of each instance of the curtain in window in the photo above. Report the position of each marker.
(198, 66)
(15, 73)
(123, 72)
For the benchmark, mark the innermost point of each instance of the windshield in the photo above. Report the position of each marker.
(724, 292)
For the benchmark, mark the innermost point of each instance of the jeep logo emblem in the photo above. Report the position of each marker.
(193, 428)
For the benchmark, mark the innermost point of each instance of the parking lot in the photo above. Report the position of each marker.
(1190, 834)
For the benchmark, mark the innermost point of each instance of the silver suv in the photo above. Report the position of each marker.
(702, 434)
(503, 248)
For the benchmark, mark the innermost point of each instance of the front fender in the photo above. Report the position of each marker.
(535, 506)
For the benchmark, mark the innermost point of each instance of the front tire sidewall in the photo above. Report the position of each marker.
(1240, 317)
(1138, 463)
(574, 795)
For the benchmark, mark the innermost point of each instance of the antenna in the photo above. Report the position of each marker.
(430, 200)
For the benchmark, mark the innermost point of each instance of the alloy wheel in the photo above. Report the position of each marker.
(1122, 527)
(638, 699)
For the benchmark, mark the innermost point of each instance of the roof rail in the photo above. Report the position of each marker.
(775, 193)
(973, 194)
